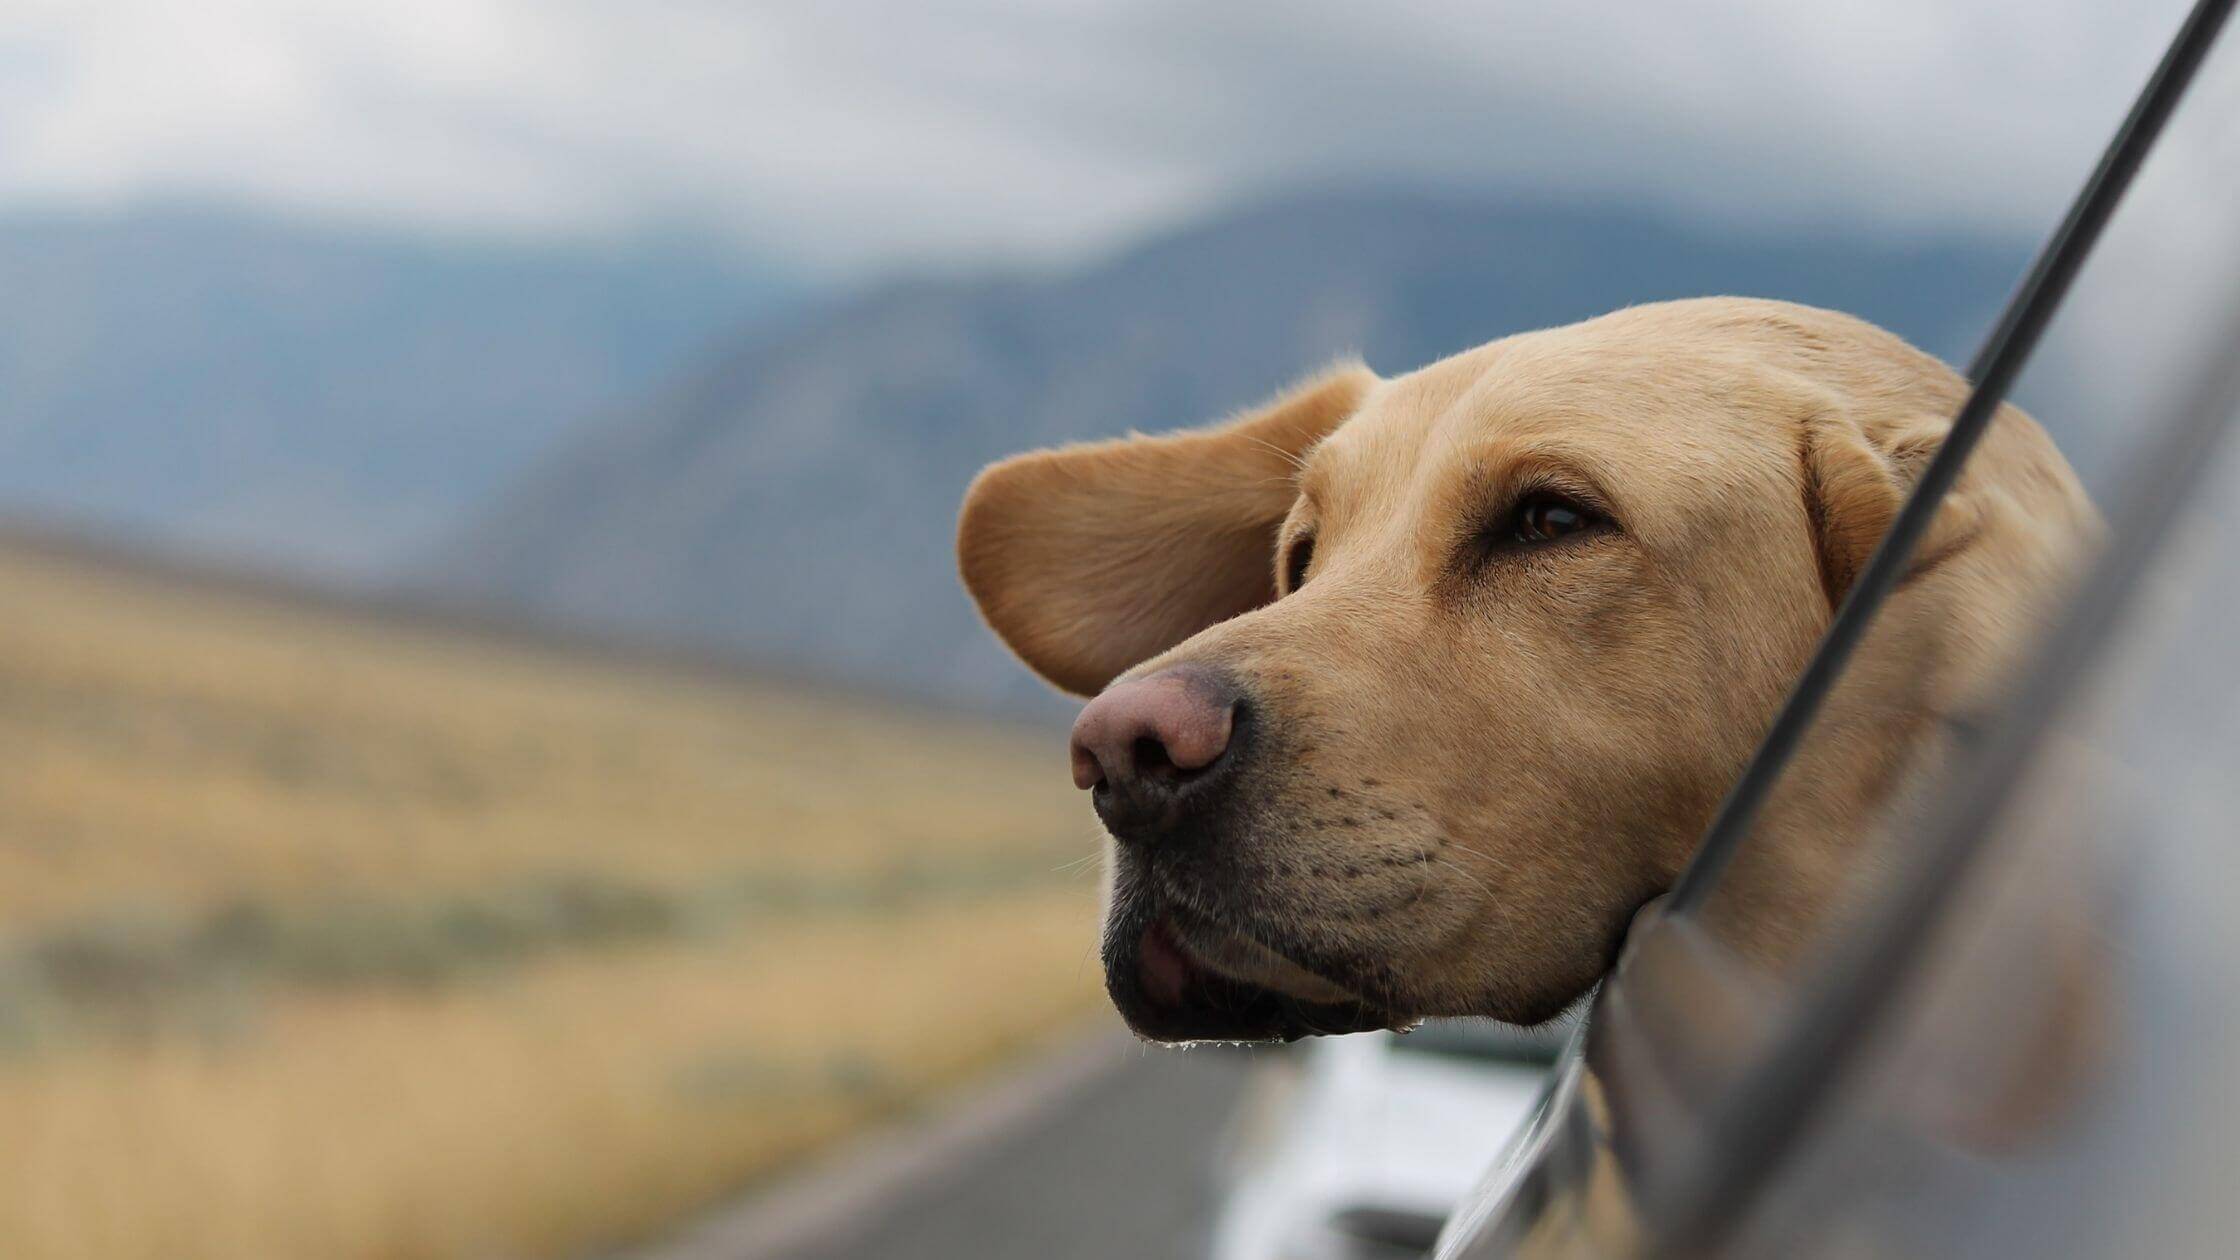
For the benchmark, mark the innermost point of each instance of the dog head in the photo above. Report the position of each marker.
(1410, 692)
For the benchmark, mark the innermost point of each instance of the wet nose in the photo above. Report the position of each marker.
(1144, 745)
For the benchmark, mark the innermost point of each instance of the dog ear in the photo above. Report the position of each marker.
(1855, 480)
(1089, 559)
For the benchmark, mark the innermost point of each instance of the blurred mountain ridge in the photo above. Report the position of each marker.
(321, 399)
(793, 498)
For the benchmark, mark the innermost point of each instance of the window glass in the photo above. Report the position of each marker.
(2054, 1078)
(1947, 646)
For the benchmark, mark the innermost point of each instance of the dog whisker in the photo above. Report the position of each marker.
(1076, 864)
(1297, 460)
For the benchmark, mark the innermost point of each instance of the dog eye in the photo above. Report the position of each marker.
(1296, 560)
(1544, 518)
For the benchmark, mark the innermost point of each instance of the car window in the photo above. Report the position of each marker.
(2034, 1033)
(2134, 326)
(1948, 1097)
(2051, 1076)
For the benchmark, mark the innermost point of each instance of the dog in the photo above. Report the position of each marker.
(1410, 692)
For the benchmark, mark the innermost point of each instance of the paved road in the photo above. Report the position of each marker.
(1105, 1152)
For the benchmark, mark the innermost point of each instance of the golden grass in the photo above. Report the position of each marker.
(167, 744)
(573, 1105)
(168, 750)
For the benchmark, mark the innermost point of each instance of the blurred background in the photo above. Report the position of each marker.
(494, 761)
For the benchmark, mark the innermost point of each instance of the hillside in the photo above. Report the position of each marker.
(793, 497)
(321, 398)
(329, 935)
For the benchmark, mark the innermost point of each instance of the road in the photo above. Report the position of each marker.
(1104, 1152)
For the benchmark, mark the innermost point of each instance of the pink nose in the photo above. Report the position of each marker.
(1167, 725)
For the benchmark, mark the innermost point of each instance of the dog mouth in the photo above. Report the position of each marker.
(1176, 981)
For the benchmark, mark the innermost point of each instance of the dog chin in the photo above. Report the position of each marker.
(1177, 983)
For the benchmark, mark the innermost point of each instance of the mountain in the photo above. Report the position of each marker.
(794, 497)
(321, 399)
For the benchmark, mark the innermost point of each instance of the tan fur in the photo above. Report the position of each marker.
(1481, 764)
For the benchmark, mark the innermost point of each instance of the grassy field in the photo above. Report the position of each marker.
(326, 935)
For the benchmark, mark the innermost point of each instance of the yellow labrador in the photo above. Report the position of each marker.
(1411, 691)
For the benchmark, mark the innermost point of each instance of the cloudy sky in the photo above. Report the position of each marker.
(853, 134)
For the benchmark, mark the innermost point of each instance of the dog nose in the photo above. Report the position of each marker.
(1139, 746)
(1164, 726)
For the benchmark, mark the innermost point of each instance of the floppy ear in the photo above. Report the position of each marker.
(1088, 559)
(1855, 480)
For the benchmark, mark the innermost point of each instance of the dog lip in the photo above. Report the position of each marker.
(1162, 969)
(1168, 993)
(1240, 959)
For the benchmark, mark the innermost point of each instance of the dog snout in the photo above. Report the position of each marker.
(1152, 748)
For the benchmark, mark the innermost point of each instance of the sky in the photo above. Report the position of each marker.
(845, 136)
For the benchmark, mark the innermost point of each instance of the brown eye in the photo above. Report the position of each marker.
(1544, 518)
(1296, 560)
